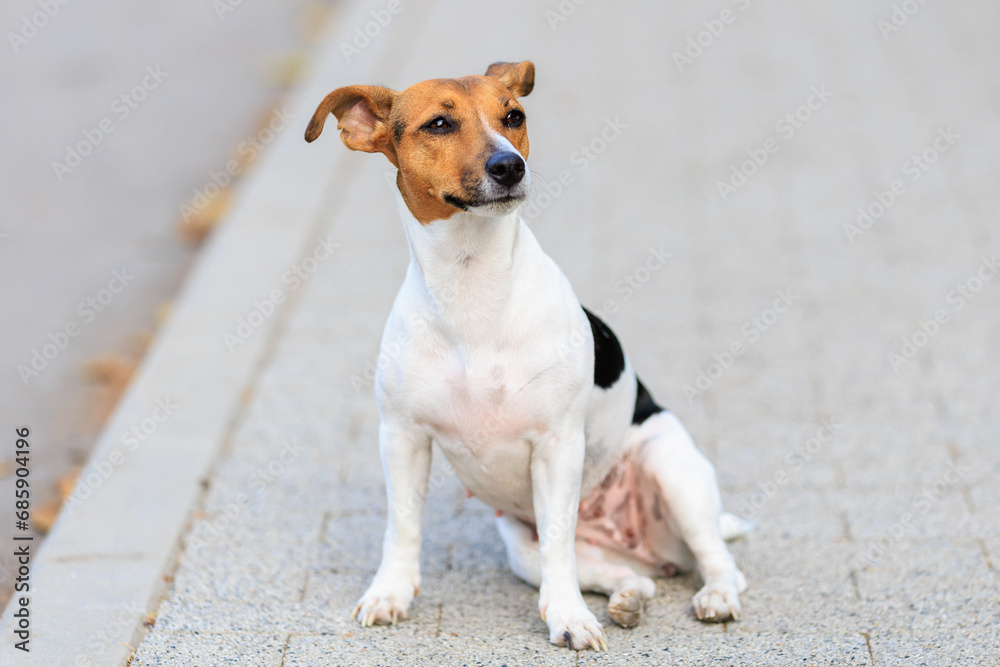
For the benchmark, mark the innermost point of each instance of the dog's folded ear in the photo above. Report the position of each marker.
(518, 77)
(362, 116)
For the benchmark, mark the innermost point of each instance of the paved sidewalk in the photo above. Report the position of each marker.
(872, 477)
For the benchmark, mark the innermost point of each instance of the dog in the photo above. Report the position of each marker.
(530, 397)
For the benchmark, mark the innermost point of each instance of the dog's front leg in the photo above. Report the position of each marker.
(406, 459)
(556, 473)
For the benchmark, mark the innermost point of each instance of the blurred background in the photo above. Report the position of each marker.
(171, 99)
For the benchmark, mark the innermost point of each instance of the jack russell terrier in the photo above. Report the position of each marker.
(528, 394)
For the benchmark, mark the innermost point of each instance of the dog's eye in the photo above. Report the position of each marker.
(439, 125)
(514, 119)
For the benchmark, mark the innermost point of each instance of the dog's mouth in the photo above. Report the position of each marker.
(505, 202)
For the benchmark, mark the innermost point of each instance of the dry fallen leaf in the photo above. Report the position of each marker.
(43, 516)
(110, 370)
(162, 313)
(66, 482)
(199, 223)
(112, 373)
(313, 20)
(285, 69)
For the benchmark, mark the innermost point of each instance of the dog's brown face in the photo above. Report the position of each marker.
(459, 144)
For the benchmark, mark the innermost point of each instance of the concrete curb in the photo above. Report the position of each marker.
(102, 568)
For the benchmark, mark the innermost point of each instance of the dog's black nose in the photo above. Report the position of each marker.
(506, 168)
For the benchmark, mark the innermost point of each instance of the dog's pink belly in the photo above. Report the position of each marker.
(616, 514)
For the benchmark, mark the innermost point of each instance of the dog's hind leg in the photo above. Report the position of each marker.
(627, 590)
(684, 522)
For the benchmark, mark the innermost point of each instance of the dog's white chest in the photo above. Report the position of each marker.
(484, 414)
(493, 361)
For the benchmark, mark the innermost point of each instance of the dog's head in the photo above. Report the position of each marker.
(459, 144)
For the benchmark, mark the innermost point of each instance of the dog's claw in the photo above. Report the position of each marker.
(718, 601)
(575, 632)
(597, 643)
(383, 605)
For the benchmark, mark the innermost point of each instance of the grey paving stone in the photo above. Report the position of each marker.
(917, 512)
(352, 544)
(243, 519)
(890, 461)
(788, 454)
(251, 616)
(991, 552)
(985, 519)
(798, 587)
(974, 647)
(382, 650)
(736, 650)
(783, 513)
(173, 649)
(930, 586)
(268, 570)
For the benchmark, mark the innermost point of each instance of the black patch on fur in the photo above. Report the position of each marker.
(609, 360)
(645, 406)
(397, 130)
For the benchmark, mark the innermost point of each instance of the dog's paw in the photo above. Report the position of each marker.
(383, 604)
(575, 627)
(626, 604)
(625, 607)
(719, 599)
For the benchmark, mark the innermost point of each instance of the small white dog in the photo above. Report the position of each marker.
(529, 395)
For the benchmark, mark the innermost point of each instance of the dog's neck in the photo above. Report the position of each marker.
(466, 264)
